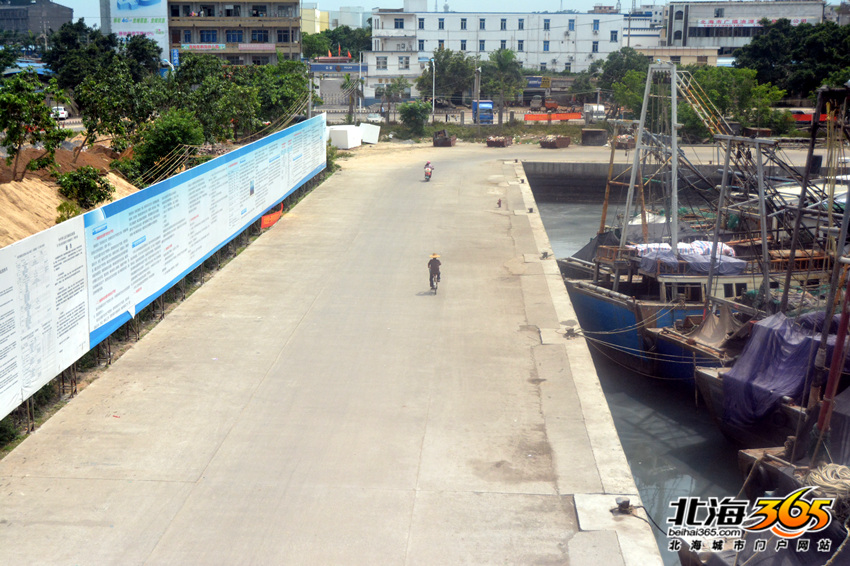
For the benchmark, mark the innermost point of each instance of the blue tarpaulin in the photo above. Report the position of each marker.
(775, 363)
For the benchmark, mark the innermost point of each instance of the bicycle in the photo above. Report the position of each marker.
(435, 281)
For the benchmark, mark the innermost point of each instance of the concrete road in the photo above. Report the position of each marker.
(314, 403)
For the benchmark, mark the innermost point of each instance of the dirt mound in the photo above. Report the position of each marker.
(29, 206)
(64, 161)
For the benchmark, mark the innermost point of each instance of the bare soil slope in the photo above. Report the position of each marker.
(29, 206)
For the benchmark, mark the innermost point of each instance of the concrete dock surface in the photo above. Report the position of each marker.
(315, 403)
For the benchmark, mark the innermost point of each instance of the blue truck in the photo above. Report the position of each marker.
(482, 111)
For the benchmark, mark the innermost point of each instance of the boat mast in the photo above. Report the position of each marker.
(638, 150)
(674, 164)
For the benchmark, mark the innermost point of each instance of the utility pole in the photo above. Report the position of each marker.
(477, 94)
(310, 96)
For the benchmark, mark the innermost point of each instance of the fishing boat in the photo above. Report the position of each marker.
(728, 241)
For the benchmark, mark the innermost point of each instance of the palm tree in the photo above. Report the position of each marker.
(352, 88)
(394, 92)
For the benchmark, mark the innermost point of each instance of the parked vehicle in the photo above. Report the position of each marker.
(482, 111)
(594, 113)
(60, 113)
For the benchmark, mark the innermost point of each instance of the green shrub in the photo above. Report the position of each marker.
(8, 430)
(67, 210)
(414, 115)
(86, 186)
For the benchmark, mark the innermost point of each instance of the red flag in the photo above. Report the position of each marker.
(338, 49)
(349, 54)
(329, 53)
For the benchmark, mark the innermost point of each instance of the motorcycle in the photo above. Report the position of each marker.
(428, 171)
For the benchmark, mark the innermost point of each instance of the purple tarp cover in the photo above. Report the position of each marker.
(775, 363)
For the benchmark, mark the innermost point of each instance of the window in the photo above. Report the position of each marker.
(520, 45)
(675, 59)
(613, 36)
(260, 59)
(258, 11)
(702, 59)
(175, 36)
(283, 36)
(542, 66)
(677, 36)
(175, 11)
(679, 15)
(207, 10)
(233, 36)
(595, 26)
(594, 47)
(546, 25)
(481, 23)
(441, 44)
(232, 59)
(481, 45)
(520, 24)
(421, 23)
(463, 45)
(404, 63)
(259, 36)
(187, 36)
(381, 63)
(233, 12)
(718, 12)
(398, 23)
(441, 23)
(503, 25)
(209, 36)
(545, 46)
(463, 23)
(421, 45)
(568, 68)
(571, 25)
(503, 44)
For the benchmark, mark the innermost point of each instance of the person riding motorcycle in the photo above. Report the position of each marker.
(428, 169)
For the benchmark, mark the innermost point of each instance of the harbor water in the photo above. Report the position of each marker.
(673, 447)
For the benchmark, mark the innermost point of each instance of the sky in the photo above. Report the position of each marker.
(90, 9)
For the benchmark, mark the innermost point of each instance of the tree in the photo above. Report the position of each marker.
(618, 63)
(628, 92)
(9, 53)
(102, 98)
(796, 58)
(344, 39)
(27, 120)
(414, 115)
(77, 51)
(315, 45)
(455, 72)
(282, 88)
(393, 92)
(502, 76)
(170, 131)
(142, 56)
(353, 89)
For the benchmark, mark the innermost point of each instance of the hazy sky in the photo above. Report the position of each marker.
(90, 9)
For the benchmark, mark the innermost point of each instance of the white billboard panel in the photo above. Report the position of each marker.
(140, 17)
(43, 310)
(64, 290)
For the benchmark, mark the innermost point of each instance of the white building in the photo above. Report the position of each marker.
(351, 16)
(728, 26)
(403, 40)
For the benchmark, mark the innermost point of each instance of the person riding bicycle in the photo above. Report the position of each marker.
(433, 269)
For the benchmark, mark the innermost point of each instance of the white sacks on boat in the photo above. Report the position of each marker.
(693, 258)
(699, 247)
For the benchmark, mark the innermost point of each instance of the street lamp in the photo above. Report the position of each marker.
(433, 88)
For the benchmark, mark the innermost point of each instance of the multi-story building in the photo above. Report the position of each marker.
(38, 17)
(313, 20)
(404, 40)
(351, 16)
(728, 26)
(242, 33)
